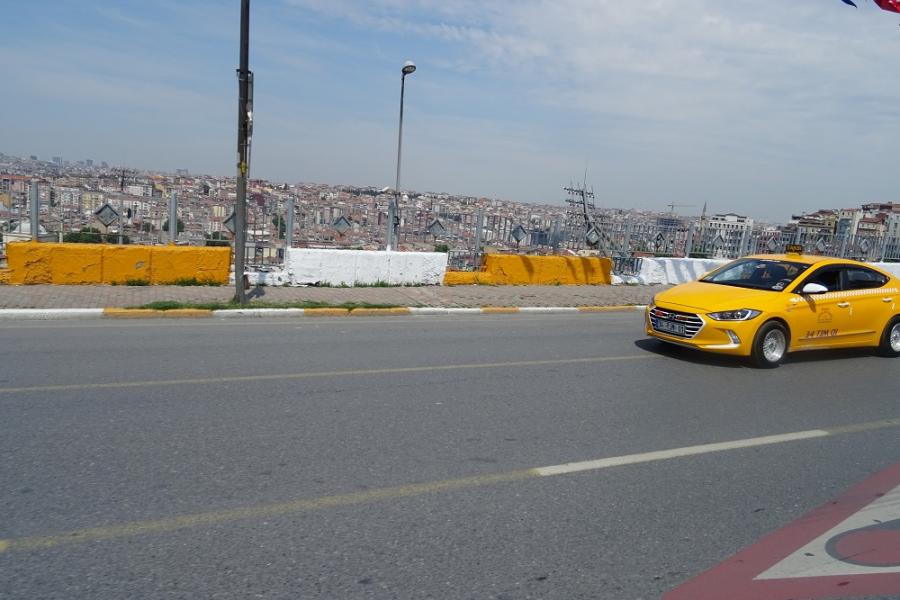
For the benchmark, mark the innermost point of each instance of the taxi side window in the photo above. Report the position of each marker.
(858, 278)
(830, 277)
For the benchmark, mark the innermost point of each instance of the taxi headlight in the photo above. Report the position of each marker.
(743, 314)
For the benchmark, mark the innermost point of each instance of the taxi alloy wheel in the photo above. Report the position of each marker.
(770, 345)
(890, 339)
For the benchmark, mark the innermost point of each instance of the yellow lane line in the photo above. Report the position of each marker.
(418, 489)
(319, 374)
(258, 512)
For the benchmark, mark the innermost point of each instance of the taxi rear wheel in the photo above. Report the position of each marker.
(770, 345)
(890, 339)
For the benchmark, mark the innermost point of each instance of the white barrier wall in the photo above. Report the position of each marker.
(892, 268)
(675, 270)
(672, 271)
(306, 266)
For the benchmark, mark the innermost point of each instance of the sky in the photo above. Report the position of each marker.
(766, 108)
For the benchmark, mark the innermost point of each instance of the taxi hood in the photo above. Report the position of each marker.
(711, 297)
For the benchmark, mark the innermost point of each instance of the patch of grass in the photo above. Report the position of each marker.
(193, 281)
(137, 282)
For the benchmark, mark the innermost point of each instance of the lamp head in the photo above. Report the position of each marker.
(409, 67)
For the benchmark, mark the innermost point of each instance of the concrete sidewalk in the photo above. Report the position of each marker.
(107, 296)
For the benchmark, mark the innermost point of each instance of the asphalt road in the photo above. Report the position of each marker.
(396, 457)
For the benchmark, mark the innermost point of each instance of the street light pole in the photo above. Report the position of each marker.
(240, 207)
(393, 210)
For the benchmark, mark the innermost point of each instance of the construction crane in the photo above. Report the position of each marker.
(672, 206)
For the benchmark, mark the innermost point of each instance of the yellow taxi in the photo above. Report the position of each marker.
(763, 307)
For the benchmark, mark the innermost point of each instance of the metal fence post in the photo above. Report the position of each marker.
(289, 227)
(478, 226)
(35, 208)
(173, 217)
(689, 242)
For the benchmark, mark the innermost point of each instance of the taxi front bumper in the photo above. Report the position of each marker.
(701, 331)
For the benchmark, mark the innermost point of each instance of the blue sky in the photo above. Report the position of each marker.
(765, 108)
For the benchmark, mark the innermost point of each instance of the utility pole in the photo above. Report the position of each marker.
(394, 208)
(243, 148)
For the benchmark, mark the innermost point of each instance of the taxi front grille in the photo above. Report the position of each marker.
(667, 321)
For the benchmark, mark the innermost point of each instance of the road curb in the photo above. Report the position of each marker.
(149, 313)
(50, 313)
(193, 313)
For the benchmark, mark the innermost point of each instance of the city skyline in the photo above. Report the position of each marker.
(768, 114)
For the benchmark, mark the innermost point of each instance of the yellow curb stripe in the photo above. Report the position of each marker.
(325, 312)
(144, 313)
(499, 310)
(373, 312)
(618, 308)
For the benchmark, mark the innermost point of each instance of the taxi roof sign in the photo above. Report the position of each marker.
(794, 248)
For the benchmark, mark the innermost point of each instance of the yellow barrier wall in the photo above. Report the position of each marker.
(515, 269)
(124, 263)
(466, 278)
(73, 264)
(171, 263)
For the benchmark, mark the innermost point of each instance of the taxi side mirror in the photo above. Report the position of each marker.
(814, 288)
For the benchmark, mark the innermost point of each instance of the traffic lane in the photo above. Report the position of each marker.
(155, 451)
(38, 353)
(627, 532)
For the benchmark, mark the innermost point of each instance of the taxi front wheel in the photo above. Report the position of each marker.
(770, 345)
(890, 339)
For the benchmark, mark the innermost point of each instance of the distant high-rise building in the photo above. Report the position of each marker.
(181, 172)
(89, 162)
(33, 157)
(726, 234)
(57, 160)
(103, 165)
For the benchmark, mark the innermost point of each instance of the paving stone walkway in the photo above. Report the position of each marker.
(106, 296)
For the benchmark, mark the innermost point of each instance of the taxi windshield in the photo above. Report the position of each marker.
(757, 274)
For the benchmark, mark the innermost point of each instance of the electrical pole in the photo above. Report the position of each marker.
(240, 208)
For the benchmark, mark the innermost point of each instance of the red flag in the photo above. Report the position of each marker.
(889, 5)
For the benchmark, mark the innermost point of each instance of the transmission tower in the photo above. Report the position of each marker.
(580, 215)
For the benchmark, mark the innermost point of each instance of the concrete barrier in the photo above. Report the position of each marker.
(667, 271)
(80, 264)
(671, 271)
(517, 269)
(892, 268)
(308, 266)
(173, 263)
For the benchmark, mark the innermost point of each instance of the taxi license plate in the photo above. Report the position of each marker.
(670, 327)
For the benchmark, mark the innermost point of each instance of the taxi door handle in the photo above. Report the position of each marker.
(887, 299)
(843, 304)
